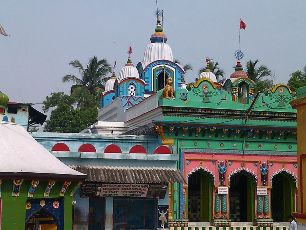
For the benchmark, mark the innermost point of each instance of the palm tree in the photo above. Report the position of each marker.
(214, 68)
(93, 77)
(258, 75)
(186, 68)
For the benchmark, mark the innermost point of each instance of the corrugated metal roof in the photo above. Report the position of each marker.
(131, 175)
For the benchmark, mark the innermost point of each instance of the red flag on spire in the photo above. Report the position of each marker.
(242, 25)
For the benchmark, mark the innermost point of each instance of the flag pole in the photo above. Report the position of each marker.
(239, 35)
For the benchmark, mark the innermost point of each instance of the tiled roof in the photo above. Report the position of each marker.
(131, 175)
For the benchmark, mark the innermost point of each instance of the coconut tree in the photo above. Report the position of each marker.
(261, 75)
(92, 78)
(185, 67)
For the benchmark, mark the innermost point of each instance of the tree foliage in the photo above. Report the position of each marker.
(261, 75)
(93, 77)
(185, 67)
(297, 79)
(75, 112)
(65, 116)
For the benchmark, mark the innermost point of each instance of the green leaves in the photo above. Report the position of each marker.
(297, 79)
(70, 113)
(258, 75)
(93, 77)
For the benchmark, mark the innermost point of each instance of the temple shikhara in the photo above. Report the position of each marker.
(167, 154)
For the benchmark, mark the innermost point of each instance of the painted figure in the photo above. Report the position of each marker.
(264, 172)
(222, 170)
(163, 218)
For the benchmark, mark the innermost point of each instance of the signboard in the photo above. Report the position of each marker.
(130, 190)
(222, 190)
(262, 191)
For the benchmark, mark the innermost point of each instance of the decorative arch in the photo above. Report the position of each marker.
(163, 149)
(201, 168)
(238, 170)
(286, 171)
(60, 147)
(89, 148)
(280, 85)
(112, 148)
(138, 149)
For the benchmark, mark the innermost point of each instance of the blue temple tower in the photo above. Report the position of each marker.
(133, 84)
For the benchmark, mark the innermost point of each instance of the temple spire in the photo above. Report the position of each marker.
(129, 61)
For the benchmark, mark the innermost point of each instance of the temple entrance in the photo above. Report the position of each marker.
(200, 196)
(282, 197)
(242, 197)
(41, 220)
(162, 79)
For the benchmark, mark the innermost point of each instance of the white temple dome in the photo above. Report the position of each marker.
(157, 51)
(210, 75)
(109, 85)
(128, 71)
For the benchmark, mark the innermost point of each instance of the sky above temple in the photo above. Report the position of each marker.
(46, 35)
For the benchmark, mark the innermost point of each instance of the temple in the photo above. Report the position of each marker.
(166, 154)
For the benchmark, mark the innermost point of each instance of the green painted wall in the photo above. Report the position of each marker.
(14, 210)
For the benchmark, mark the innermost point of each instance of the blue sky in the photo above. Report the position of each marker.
(47, 35)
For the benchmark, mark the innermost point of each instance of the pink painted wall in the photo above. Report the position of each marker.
(235, 163)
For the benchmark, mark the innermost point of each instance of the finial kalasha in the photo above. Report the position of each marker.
(207, 61)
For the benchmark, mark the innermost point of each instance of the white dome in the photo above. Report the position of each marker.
(157, 51)
(109, 85)
(128, 71)
(210, 75)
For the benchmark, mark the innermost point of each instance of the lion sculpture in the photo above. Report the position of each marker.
(168, 91)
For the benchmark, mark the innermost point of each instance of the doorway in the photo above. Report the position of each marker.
(200, 196)
(282, 197)
(162, 80)
(41, 220)
(242, 197)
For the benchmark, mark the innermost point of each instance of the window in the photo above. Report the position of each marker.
(132, 89)
(162, 79)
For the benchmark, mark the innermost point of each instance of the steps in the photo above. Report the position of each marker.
(231, 228)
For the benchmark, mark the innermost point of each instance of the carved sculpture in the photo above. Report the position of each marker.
(264, 168)
(168, 91)
(222, 167)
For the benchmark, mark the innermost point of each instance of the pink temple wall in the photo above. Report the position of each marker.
(235, 163)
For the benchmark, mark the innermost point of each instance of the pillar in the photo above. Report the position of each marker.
(221, 206)
(185, 213)
(300, 105)
(170, 214)
(109, 210)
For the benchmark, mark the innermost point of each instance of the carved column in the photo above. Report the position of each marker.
(263, 194)
(170, 217)
(221, 201)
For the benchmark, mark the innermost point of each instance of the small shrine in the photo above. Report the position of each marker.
(36, 189)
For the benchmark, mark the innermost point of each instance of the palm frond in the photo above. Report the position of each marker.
(77, 64)
(72, 78)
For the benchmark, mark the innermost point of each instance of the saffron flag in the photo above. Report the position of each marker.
(2, 31)
(242, 25)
